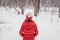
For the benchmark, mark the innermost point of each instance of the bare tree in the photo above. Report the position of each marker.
(59, 12)
(36, 4)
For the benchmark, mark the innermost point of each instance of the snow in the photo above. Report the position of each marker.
(9, 29)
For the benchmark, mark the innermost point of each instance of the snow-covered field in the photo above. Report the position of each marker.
(10, 23)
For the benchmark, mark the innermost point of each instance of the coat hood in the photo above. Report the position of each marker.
(27, 18)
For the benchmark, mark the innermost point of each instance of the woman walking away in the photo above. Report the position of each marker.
(28, 29)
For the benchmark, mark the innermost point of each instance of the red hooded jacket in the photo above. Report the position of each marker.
(28, 29)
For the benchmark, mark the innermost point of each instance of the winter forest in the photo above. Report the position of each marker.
(46, 14)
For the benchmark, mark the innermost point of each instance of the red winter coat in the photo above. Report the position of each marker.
(28, 29)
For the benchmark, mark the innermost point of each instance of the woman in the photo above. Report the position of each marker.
(28, 29)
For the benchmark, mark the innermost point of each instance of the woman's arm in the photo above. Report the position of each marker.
(36, 30)
(21, 31)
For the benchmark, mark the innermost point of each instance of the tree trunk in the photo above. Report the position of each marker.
(38, 6)
(59, 12)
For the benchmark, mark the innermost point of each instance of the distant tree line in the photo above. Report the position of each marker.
(35, 3)
(21, 4)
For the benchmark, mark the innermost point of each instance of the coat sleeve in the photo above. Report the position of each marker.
(21, 31)
(36, 30)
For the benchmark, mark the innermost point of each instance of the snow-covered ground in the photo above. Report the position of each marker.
(10, 23)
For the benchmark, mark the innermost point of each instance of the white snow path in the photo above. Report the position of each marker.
(12, 23)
